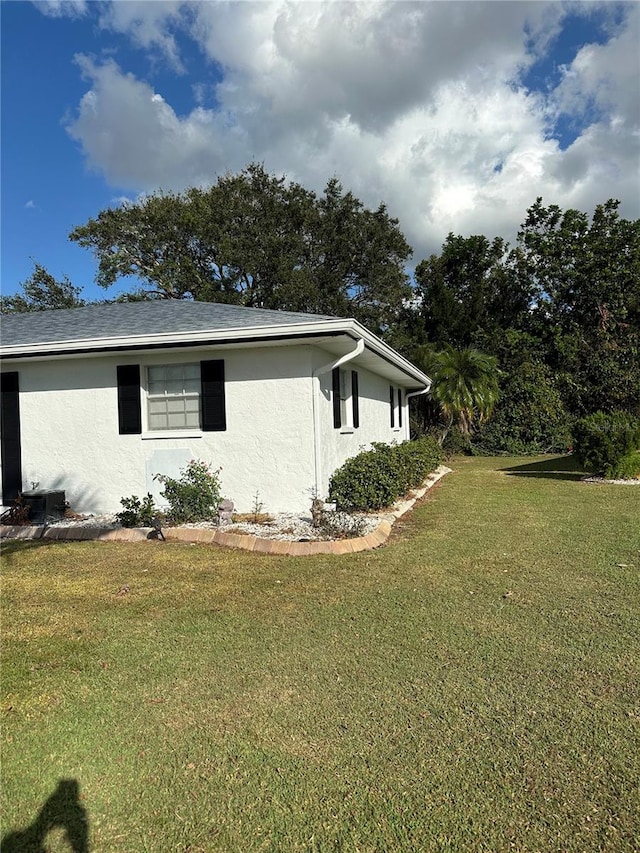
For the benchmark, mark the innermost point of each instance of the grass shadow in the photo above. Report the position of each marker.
(557, 468)
(10, 547)
(63, 810)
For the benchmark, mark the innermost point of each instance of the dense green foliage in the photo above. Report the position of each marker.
(560, 312)
(42, 292)
(603, 439)
(627, 468)
(464, 389)
(195, 496)
(529, 416)
(255, 239)
(376, 478)
(136, 512)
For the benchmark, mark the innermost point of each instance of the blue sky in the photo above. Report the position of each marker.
(457, 115)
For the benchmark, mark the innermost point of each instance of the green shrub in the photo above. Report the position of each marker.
(602, 440)
(136, 512)
(529, 417)
(627, 468)
(376, 478)
(195, 496)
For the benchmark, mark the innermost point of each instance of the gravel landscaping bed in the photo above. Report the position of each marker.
(284, 526)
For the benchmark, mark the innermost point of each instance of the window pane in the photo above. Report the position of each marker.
(157, 421)
(156, 374)
(176, 421)
(192, 371)
(174, 406)
(156, 388)
(192, 419)
(192, 386)
(174, 373)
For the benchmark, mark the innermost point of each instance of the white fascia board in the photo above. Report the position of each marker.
(378, 346)
(318, 328)
(168, 339)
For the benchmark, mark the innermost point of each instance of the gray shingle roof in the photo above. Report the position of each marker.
(95, 322)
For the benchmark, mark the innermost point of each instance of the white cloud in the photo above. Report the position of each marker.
(62, 8)
(146, 22)
(30, 205)
(414, 104)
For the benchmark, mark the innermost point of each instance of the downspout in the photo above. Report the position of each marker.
(415, 394)
(317, 450)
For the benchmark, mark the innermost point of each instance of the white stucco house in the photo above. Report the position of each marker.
(99, 399)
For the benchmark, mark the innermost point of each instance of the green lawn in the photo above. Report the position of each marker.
(472, 686)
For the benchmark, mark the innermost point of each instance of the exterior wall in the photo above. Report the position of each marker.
(70, 439)
(338, 445)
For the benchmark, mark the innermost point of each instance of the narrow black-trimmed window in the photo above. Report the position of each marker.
(129, 408)
(400, 407)
(337, 406)
(392, 405)
(213, 407)
(355, 401)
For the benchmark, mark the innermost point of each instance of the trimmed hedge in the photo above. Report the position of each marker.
(602, 440)
(378, 477)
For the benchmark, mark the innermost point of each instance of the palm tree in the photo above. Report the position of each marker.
(465, 386)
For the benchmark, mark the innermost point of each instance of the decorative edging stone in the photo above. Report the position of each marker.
(242, 541)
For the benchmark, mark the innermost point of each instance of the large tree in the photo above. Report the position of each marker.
(255, 239)
(586, 275)
(569, 293)
(42, 292)
(472, 287)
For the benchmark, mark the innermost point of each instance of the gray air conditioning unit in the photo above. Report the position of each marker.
(44, 505)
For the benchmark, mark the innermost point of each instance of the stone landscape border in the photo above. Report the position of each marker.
(242, 541)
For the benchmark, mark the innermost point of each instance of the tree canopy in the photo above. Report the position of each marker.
(40, 292)
(254, 239)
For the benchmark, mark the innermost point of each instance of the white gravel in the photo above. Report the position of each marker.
(601, 481)
(286, 526)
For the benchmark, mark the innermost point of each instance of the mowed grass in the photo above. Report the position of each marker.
(474, 685)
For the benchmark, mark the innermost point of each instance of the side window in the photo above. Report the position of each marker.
(346, 403)
(173, 397)
(392, 406)
(395, 407)
(187, 396)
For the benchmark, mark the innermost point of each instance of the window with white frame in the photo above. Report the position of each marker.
(173, 396)
(395, 407)
(346, 402)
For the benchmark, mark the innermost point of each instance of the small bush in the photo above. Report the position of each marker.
(627, 468)
(136, 512)
(195, 496)
(376, 478)
(602, 440)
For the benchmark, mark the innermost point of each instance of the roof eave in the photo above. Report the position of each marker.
(314, 328)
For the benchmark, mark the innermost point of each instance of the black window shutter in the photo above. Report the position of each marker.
(214, 418)
(10, 436)
(335, 376)
(399, 407)
(354, 399)
(129, 409)
(392, 402)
